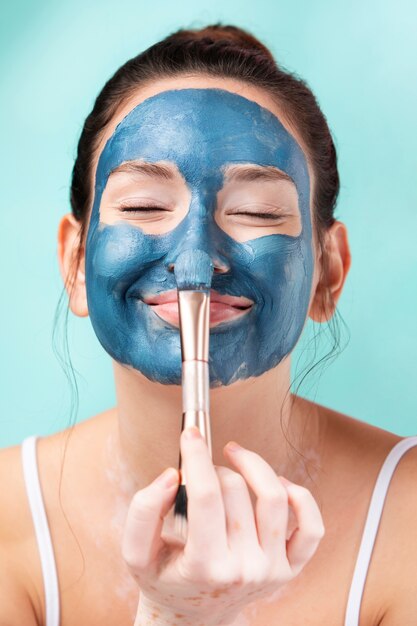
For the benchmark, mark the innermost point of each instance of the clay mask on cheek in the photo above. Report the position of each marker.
(200, 131)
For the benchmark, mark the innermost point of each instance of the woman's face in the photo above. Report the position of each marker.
(200, 164)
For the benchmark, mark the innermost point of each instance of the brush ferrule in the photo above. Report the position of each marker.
(194, 311)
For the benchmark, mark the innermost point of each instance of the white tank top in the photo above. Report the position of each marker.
(43, 537)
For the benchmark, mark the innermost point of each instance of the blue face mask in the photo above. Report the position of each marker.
(200, 131)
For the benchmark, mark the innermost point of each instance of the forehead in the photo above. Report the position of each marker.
(201, 130)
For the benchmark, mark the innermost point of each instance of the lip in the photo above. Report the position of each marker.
(215, 296)
(222, 307)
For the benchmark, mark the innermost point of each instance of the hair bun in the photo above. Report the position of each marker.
(232, 35)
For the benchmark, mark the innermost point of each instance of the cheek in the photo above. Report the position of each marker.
(279, 260)
(282, 268)
(118, 253)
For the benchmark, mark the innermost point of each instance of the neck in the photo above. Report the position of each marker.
(255, 412)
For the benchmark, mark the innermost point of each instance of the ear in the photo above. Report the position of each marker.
(69, 232)
(337, 264)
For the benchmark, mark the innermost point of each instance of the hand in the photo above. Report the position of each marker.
(233, 555)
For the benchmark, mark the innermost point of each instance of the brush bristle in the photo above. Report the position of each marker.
(180, 512)
(193, 269)
(181, 502)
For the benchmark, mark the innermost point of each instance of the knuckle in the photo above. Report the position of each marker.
(193, 570)
(142, 504)
(254, 579)
(320, 531)
(296, 569)
(133, 562)
(314, 532)
(140, 498)
(206, 496)
(304, 494)
(221, 575)
(257, 576)
(277, 497)
(234, 481)
(281, 573)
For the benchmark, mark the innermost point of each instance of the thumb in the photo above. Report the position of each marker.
(142, 534)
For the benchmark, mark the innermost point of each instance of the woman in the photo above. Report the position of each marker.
(202, 142)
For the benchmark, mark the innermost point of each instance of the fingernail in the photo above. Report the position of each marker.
(192, 432)
(168, 478)
(233, 446)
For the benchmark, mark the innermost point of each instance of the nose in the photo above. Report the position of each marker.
(199, 231)
(218, 269)
(191, 245)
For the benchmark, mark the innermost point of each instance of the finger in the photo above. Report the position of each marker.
(240, 518)
(206, 536)
(271, 511)
(306, 538)
(142, 533)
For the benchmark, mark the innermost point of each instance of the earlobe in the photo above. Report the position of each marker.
(336, 267)
(71, 260)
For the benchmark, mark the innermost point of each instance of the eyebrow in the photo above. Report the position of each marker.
(249, 173)
(234, 173)
(154, 170)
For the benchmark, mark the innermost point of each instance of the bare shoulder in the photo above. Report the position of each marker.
(18, 597)
(14, 508)
(352, 449)
(21, 581)
(396, 543)
(390, 593)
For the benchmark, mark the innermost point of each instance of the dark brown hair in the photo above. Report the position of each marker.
(223, 51)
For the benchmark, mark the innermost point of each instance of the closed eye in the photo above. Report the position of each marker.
(142, 209)
(276, 214)
(267, 216)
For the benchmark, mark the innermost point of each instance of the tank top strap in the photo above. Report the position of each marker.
(371, 528)
(42, 532)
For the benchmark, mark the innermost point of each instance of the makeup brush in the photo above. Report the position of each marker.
(193, 271)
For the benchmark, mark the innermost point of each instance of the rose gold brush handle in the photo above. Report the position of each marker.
(201, 420)
(194, 309)
(195, 392)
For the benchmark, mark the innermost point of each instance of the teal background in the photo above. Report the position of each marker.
(359, 58)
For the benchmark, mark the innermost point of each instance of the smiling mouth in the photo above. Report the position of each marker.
(222, 307)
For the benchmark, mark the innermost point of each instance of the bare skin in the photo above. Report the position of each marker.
(113, 455)
(87, 527)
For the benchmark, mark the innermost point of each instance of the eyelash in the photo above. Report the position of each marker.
(129, 209)
(152, 209)
(268, 216)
